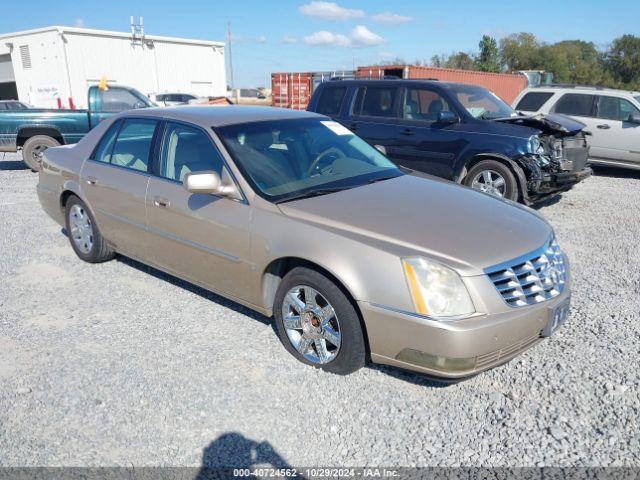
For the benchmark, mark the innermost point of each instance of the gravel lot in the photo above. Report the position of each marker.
(118, 364)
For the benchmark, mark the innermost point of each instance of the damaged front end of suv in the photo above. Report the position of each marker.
(555, 158)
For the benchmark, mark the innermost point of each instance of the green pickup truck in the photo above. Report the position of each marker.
(36, 129)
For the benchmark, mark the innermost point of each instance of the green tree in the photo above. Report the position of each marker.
(460, 60)
(488, 60)
(623, 61)
(521, 51)
(574, 61)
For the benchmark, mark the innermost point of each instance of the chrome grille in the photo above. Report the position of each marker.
(531, 279)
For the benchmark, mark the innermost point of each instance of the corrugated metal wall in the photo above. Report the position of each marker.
(506, 86)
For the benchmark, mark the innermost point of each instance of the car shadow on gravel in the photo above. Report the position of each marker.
(234, 450)
(615, 172)
(420, 379)
(6, 165)
(195, 289)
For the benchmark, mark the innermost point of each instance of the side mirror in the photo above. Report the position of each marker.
(447, 118)
(139, 105)
(209, 182)
(634, 118)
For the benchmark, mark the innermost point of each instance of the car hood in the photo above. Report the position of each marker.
(551, 124)
(411, 215)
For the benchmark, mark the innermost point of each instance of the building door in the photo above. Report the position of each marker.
(8, 87)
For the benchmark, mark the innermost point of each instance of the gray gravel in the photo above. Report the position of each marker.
(117, 364)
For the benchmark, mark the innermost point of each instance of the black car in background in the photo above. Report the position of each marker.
(462, 133)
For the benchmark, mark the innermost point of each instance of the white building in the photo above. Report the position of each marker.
(54, 66)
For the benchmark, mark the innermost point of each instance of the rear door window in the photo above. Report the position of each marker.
(578, 104)
(614, 108)
(533, 101)
(133, 146)
(330, 100)
(376, 102)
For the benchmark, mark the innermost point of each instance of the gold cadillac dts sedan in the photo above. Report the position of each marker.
(292, 215)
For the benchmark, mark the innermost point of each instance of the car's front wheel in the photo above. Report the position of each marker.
(494, 178)
(84, 235)
(317, 323)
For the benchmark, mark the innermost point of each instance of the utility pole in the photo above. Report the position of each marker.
(230, 56)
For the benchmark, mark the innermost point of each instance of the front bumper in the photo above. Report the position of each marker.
(454, 349)
(552, 182)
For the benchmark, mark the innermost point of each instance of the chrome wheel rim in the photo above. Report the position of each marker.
(491, 182)
(81, 228)
(311, 324)
(37, 152)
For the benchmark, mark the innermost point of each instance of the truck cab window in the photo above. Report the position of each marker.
(118, 100)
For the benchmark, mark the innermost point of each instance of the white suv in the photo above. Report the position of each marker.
(612, 117)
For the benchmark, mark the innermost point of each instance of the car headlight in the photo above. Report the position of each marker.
(535, 146)
(437, 291)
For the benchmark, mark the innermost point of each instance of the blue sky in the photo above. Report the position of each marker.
(306, 35)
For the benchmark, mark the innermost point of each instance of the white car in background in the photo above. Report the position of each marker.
(612, 117)
(171, 99)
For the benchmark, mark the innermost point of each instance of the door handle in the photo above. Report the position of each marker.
(92, 180)
(406, 131)
(161, 202)
(604, 126)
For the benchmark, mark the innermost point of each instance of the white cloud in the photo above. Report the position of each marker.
(329, 11)
(324, 38)
(360, 36)
(289, 39)
(262, 39)
(390, 17)
(386, 55)
(79, 22)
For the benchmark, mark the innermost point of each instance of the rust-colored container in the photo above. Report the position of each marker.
(291, 90)
(505, 85)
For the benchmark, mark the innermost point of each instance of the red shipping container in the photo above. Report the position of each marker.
(505, 85)
(291, 90)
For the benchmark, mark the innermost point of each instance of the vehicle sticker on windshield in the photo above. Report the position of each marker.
(336, 128)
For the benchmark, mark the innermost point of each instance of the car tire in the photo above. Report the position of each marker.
(493, 178)
(351, 352)
(33, 149)
(84, 234)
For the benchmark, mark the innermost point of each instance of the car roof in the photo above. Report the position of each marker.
(579, 89)
(218, 116)
(397, 81)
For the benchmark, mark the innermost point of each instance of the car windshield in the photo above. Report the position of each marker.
(481, 103)
(290, 159)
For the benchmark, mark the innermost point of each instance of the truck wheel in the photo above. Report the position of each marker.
(84, 234)
(33, 149)
(317, 323)
(494, 178)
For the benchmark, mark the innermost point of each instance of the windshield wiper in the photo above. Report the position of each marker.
(313, 193)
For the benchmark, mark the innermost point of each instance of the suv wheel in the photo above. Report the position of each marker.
(317, 323)
(494, 178)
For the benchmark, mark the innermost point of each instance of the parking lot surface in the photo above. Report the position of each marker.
(119, 364)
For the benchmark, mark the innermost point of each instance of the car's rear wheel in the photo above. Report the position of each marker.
(34, 148)
(84, 234)
(317, 323)
(494, 178)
